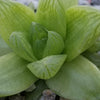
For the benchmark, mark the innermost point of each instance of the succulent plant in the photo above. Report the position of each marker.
(56, 44)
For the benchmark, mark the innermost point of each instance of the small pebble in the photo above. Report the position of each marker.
(48, 95)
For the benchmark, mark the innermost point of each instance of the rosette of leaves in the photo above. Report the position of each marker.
(48, 45)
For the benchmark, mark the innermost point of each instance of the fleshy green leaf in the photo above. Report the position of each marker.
(68, 3)
(95, 47)
(83, 28)
(14, 75)
(45, 43)
(35, 95)
(14, 17)
(55, 44)
(93, 57)
(21, 46)
(47, 67)
(39, 39)
(51, 15)
(4, 49)
(77, 80)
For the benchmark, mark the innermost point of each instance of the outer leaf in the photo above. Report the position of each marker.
(14, 17)
(21, 46)
(68, 3)
(4, 49)
(83, 28)
(77, 80)
(45, 43)
(51, 15)
(14, 76)
(47, 67)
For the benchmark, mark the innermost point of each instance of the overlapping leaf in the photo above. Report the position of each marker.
(95, 47)
(51, 14)
(44, 42)
(83, 28)
(14, 75)
(93, 57)
(55, 44)
(47, 67)
(77, 80)
(39, 37)
(4, 48)
(68, 3)
(21, 46)
(14, 17)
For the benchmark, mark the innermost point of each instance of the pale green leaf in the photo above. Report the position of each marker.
(14, 17)
(4, 48)
(39, 39)
(95, 47)
(14, 75)
(44, 42)
(51, 15)
(55, 44)
(47, 67)
(77, 80)
(21, 46)
(93, 57)
(83, 28)
(68, 3)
